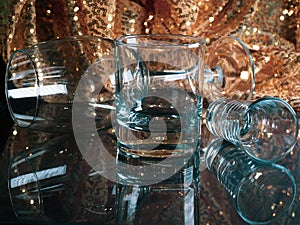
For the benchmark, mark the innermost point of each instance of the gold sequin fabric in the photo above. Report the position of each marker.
(271, 29)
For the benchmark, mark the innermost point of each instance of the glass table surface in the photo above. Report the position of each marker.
(216, 206)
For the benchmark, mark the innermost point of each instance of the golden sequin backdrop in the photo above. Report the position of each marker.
(271, 29)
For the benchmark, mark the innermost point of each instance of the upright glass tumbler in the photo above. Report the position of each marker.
(42, 82)
(267, 129)
(159, 80)
(262, 192)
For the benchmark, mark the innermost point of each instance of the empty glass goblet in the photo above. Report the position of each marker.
(267, 129)
(229, 70)
(42, 80)
(261, 192)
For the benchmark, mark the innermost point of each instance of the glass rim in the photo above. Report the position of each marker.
(36, 86)
(254, 104)
(191, 41)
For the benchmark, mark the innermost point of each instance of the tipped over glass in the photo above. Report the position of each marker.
(43, 80)
(267, 129)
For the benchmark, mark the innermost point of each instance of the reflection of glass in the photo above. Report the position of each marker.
(52, 182)
(262, 192)
(172, 201)
(160, 204)
(267, 129)
(41, 81)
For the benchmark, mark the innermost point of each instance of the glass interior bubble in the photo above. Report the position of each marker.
(262, 192)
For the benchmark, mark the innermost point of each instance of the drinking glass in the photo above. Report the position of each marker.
(262, 192)
(53, 182)
(229, 72)
(159, 82)
(267, 128)
(42, 82)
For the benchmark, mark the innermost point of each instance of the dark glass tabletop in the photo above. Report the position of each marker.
(214, 203)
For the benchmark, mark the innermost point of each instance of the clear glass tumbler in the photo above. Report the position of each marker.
(267, 129)
(262, 192)
(159, 81)
(43, 80)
